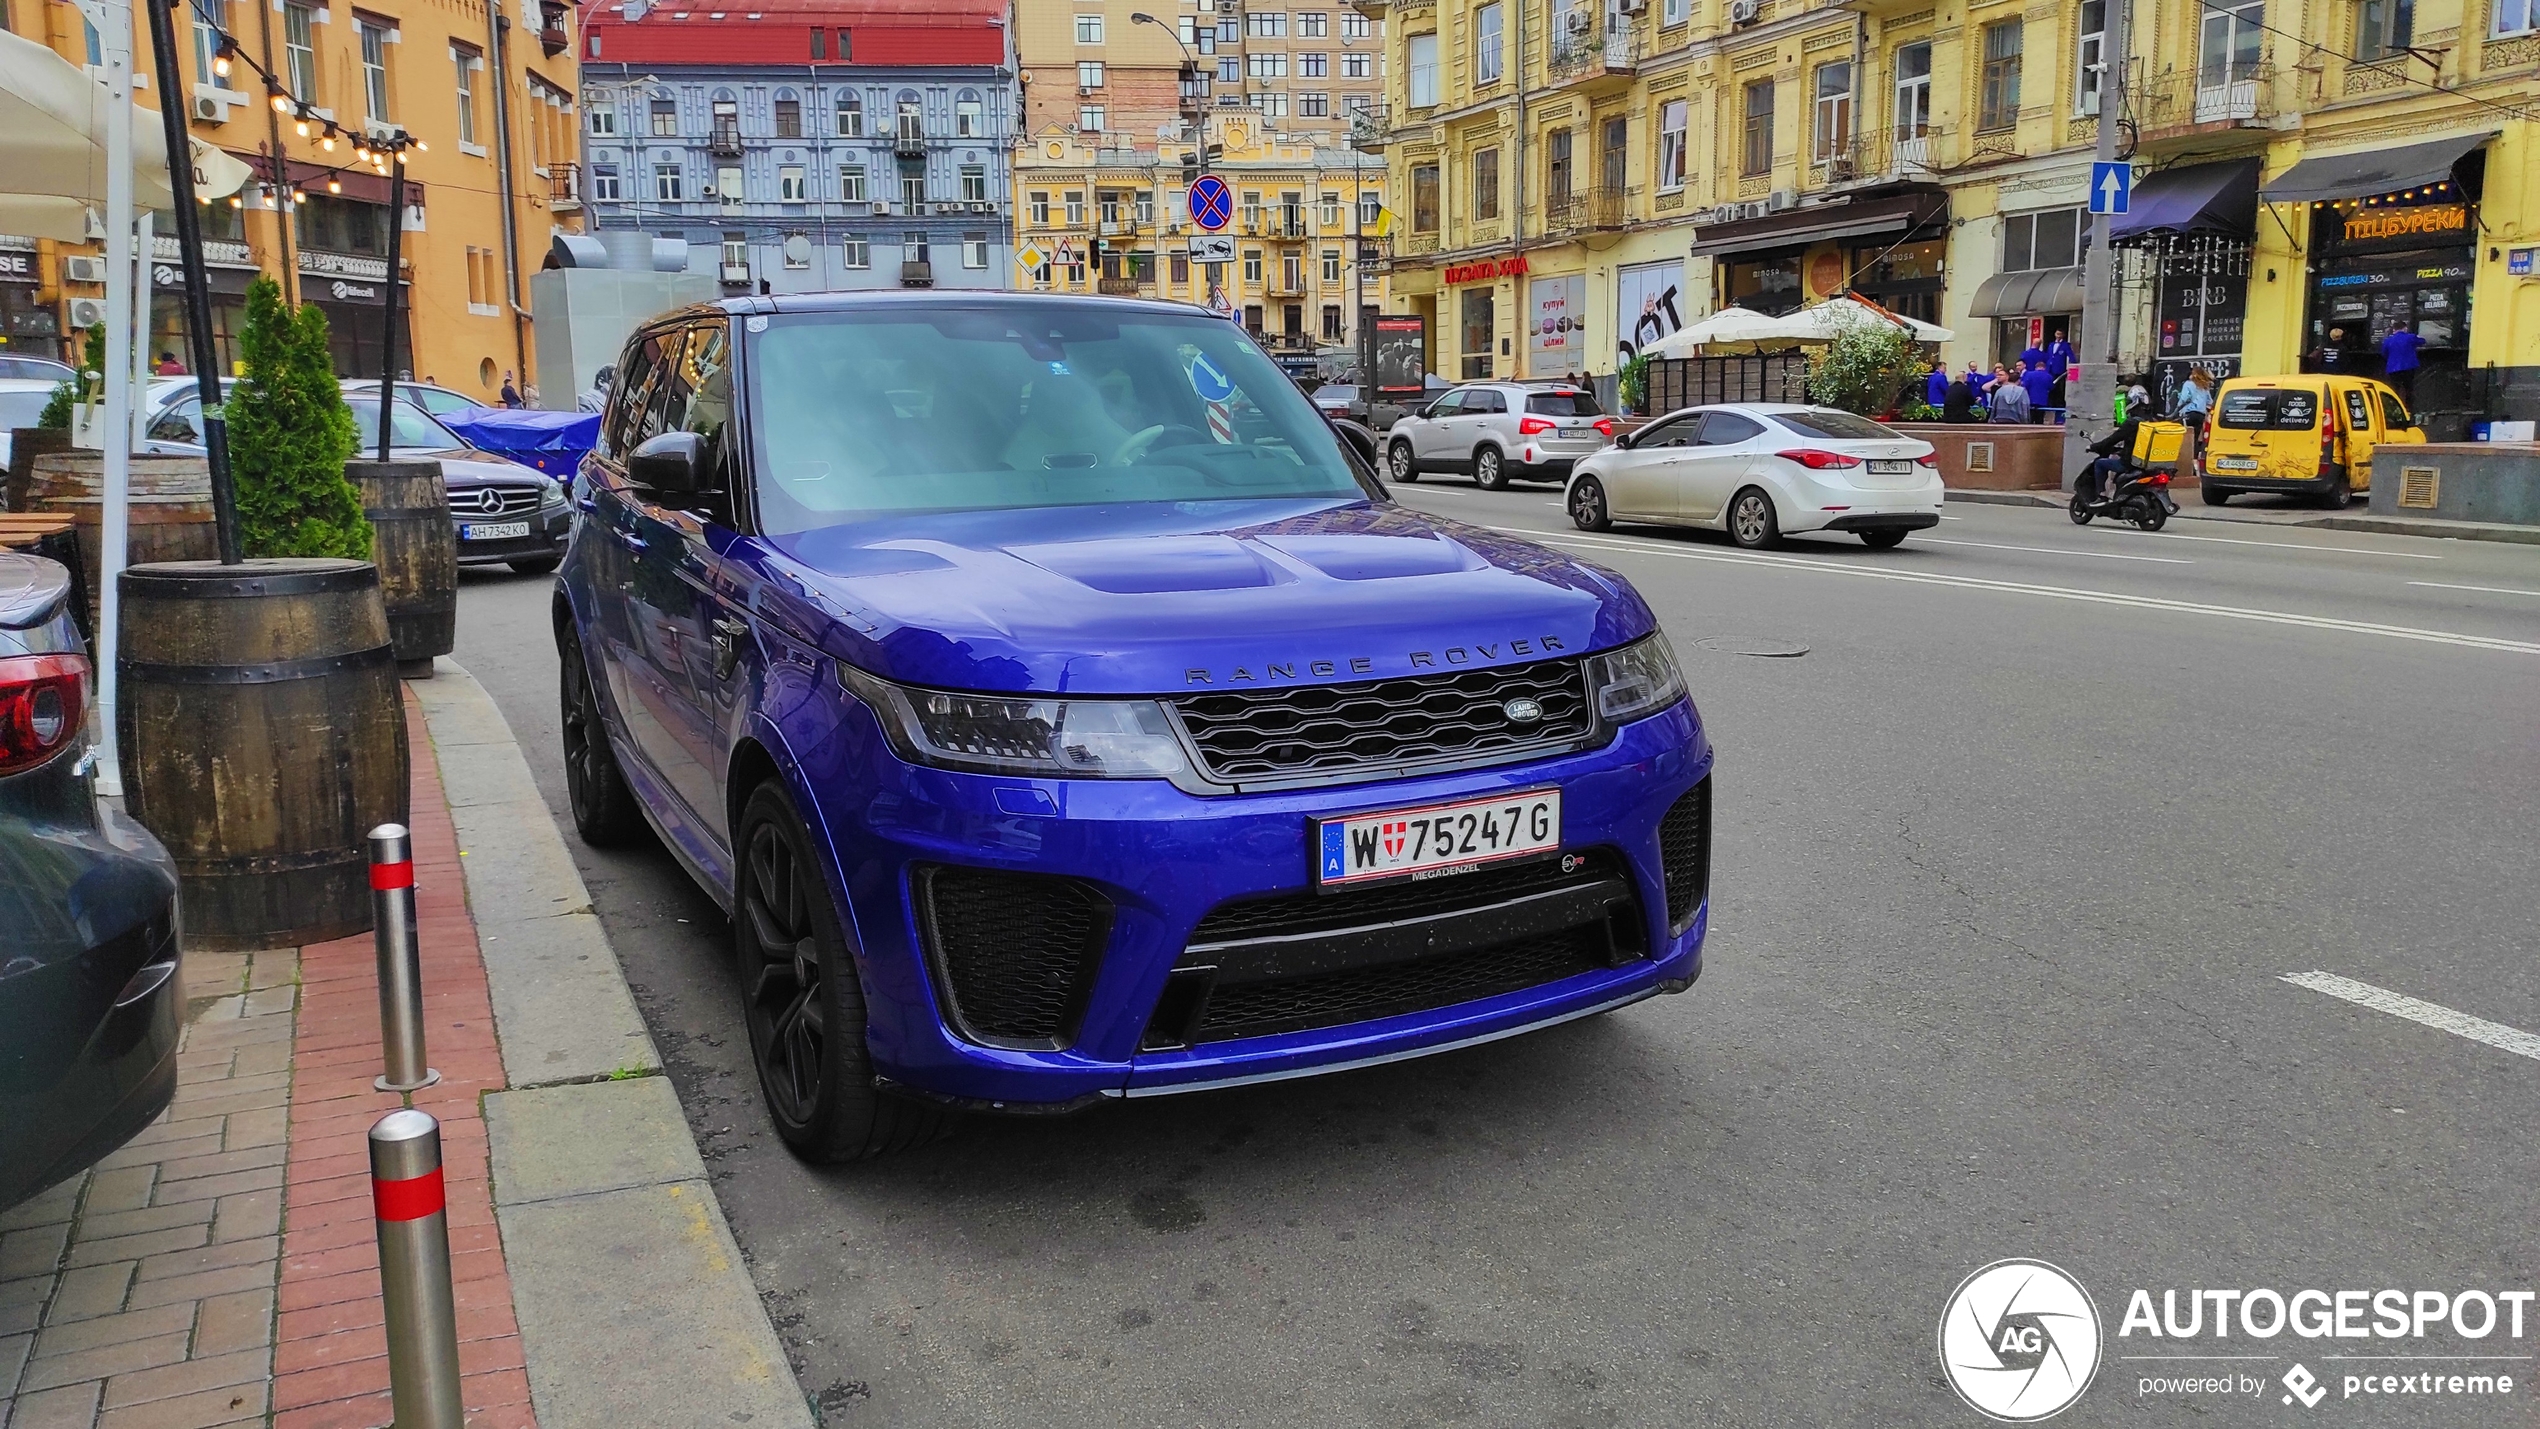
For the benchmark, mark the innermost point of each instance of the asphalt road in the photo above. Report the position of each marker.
(2011, 866)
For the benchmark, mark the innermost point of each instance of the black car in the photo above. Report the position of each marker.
(506, 513)
(90, 999)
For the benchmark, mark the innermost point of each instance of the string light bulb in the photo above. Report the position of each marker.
(281, 102)
(334, 186)
(299, 197)
(303, 128)
(326, 141)
(220, 57)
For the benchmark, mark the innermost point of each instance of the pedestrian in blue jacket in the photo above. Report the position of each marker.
(2040, 385)
(1936, 386)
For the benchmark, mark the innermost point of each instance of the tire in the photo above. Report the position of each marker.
(1887, 540)
(604, 809)
(2080, 510)
(802, 1002)
(1398, 463)
(1490, 469)
(1753, 524)
(2340, 492)
(536, 565)
(2214, 495)
(2154, 518)
(1588, 510)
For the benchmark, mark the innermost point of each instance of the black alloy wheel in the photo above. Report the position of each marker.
(802, 1002)
(1587, 505)
(1490, 469)
(1398, 461)
(2340, 492)
(604, 809)
(1752, 522)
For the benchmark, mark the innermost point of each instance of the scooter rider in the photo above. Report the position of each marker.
(2116, 455)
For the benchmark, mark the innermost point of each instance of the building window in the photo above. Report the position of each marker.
(789, 119)
(1266, 25)
(1612, 159)
(1089, 29)
(1486, 183)
(1252, 266)
(2094, 43)
(601, 105)
(855, 251)
(1313, 66)
(1999, 106)
(665, 119)
(1089, 118)
(1424, 199)
(913, 191)
(1913, 90)
(913, 248)
(1557, 176)
(1313, 26)
(1145, 209)
(464, 62)
(1089, 74)
(789, 184)
(851, 183)
(209, 19)
(2384, 28)
(967, 119)
(729, 187)
(1675, 12)
(667, 185)
(1314, 104)
(1833, 130)
(1272, 106)
(850, 116)
(1486, 37)
(2052, 238)
(1075, 208)
(1331, 206)
(1181, 268)
(374, 37)
(2513, 17)
(1358, 66)
(299, 49)
(974, 250)
(1757, 157)
(1230, 69)
(974, 183)
(1291, 272)
(1271, 65)
(1355, 26)
(1331, 265)
(604, 184)
(1331, 322)
(726, 128)
(1423, 76)
(1672, 117)
(1040, 208)
(1252, 208)
(2227, 51)
(1371, 206)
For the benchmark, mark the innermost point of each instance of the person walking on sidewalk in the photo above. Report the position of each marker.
(2399, 363)
(2195, 404)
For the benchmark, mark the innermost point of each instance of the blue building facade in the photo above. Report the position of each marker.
(803, 177)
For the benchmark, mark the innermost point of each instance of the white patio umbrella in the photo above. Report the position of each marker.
(1742, 328)
(1820, 322)
(54, 118)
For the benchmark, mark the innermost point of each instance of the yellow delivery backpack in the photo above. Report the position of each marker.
(2157, 443)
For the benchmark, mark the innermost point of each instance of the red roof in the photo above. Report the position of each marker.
(899, 33)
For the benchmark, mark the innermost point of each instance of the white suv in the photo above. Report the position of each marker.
(1500, 431)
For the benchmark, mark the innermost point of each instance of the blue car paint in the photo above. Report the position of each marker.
(1146, 599)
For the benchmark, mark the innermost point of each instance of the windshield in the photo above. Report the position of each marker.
(413, 428)
(1835, 425)
(1562, 404)
(20, 409)
(997, 406)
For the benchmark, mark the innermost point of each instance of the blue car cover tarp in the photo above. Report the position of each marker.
(553, 442)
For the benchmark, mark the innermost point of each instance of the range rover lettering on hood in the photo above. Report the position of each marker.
(1366, 664)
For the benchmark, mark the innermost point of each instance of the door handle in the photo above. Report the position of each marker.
(633, 541)
(728, 634)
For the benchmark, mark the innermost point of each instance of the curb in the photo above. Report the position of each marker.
(634, 1304)
(2439, 529)
(2002, 498)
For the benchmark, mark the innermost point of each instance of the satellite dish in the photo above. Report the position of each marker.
(797, 249)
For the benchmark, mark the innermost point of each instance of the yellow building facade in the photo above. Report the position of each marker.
(2300, 169)
(1299, 252)
(489, 89)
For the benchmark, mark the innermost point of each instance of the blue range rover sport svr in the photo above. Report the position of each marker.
(1064, 711)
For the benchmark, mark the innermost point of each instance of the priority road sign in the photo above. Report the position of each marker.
(2111, 185)
(1212, 203)
(1030, 257)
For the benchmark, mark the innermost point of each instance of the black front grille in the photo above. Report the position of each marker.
(1684, 847)
(1014, 953)
(1455, 715)
(1294, 913)
(1361, 994)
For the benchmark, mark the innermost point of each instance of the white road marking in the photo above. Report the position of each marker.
(2290, 546)
(2139, 602)
(2057, 551)
(2489, 589)
(1953, 518)
(2477, 1029)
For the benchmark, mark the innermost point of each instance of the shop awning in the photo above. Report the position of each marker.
(2375, 171)
(2219, 199)
(2018, 295)
(1821, 223)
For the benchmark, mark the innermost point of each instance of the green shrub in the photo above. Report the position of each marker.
(1632, 384)
(1866, 369)
(290, 435)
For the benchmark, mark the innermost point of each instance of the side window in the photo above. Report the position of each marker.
(1448, 405)
(2358, 410)
(637, 372)
(650, 406)
(1673, 432)
(707, 386)
(177, 423)
(1486, 399)
(2394, 416)
(1727, 429)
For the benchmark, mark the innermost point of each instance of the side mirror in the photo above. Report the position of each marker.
(1359, 438)
(1623, 440)
(671, 464)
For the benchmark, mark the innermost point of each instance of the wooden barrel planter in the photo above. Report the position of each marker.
(262, 736)
(25, 445)
(169, 515)
(417, 552)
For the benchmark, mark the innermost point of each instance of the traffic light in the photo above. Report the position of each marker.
(1093, 250)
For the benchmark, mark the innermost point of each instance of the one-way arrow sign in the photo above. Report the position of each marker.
(2110, 186)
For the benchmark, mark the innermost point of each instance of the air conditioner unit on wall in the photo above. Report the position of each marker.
(208, 110)
(881, 208)
(87, 312)
(79, 268)
(1781, 200)
(1743, 12)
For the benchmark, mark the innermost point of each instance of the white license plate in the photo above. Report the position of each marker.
(493, 530)
(1436, 838)
(1890, 468)
(2235, 463)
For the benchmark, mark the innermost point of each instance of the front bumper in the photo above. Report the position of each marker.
(1163, 859)
(548, 527)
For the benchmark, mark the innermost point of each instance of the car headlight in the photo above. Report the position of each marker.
(1048, 738)
(553, 495)
(1639, 679)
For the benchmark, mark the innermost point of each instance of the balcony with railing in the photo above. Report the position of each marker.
(2206, 99)
(1908, 152)
(1587, 210)
(909, 141)
(1586, 50)
(564, 187)
(724, 141)
(1120, 287)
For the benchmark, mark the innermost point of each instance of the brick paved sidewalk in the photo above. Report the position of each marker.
(220, 1268)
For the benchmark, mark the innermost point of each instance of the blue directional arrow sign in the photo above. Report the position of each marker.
(1212, 203)
(2111, 185)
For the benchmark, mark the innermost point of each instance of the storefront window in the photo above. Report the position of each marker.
(1766, 285)
(1481, 332)
(1907, 278)
(2379, 266)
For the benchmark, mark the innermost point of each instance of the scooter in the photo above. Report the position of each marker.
(2142, 497)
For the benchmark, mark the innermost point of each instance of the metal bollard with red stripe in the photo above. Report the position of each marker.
(414, 1270)
(392, 902)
